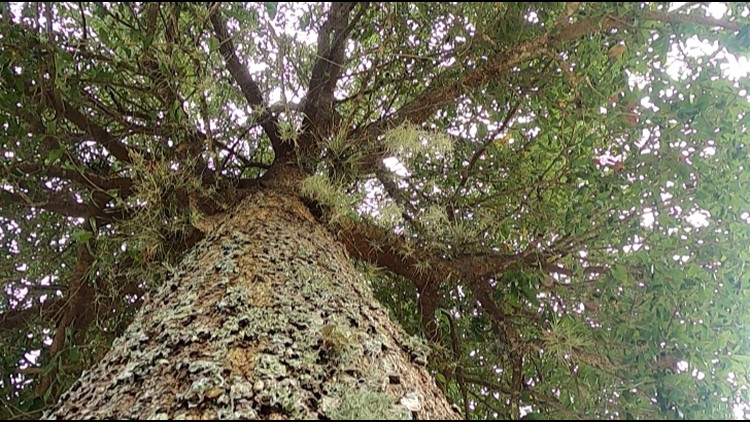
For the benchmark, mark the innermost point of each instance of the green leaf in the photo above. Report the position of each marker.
(74, 355)
(271, 8)
(620, 273)
(53, 156)
(481, 130)
(81, 236)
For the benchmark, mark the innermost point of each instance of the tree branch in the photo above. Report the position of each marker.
(447, 88)
(57, 202)
(328, 68)
(247, 85)
(52, 97)
(98, 133)
(481, 150)
(76, 314)
(442, 91)
(46, 311)
(506, 332)
(378, 246)
(676, 17)
(373, 244)
(386, 178)
(123, 185)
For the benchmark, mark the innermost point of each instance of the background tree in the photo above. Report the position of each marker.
(552, 194)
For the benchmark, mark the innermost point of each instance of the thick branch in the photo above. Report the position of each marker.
(247, 85)
(394, 191)
(328, 67)
(100, 135)
(249, 88)
(489, 265)
(57, 202)
(442, 91)
(446, 88)
(45, 312)
(373, 244)
(123, 185)
(76, 313)
(65, 204)
(378, 246)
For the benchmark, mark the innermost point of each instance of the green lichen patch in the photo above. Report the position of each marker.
(352, 403)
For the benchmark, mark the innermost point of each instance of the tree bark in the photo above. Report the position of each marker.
(266, 318)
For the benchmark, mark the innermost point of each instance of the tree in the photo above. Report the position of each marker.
(547, 198)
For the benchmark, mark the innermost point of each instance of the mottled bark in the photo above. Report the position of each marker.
(266, 318)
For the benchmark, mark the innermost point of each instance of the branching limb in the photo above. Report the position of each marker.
(77, 313)
(327, 69)
(46, 311)
(248, 86)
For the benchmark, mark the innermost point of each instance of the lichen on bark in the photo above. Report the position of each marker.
(265, 318)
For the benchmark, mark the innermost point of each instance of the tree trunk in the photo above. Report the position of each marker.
(266, 318)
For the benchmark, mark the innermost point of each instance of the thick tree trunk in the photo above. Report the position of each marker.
(266, 318)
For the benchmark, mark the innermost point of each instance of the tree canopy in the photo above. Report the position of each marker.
(552, 194)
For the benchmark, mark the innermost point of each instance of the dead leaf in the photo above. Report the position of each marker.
(630, 118)
(616, 50)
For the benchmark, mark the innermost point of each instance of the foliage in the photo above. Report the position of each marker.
(553, 194)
